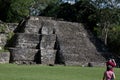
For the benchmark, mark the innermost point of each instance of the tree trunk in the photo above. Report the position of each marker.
(106, 36)
(107, 25)
(105, 32)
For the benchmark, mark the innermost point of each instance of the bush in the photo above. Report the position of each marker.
(3, 28)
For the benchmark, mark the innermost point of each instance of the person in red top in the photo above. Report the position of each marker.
(112, 63)
(108, 74)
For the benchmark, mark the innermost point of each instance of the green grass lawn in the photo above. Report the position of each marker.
(40, 72)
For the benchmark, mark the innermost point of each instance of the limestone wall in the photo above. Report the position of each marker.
(6, 29)
(3, 39)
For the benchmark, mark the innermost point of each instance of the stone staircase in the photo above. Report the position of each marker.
(33, 43)
(43, 40)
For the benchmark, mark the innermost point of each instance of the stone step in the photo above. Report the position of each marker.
(71, 57)
(48, 41)
(71, 63)
(48, 56)
(39, 25)
(31, 24)
(39, 41)
(24, 37)
(83, 57)
(33, 45)
(21, 39)
(25, 55)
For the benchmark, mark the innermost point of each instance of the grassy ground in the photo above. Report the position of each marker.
(39, 72)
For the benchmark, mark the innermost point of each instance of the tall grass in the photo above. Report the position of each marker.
(40, 72)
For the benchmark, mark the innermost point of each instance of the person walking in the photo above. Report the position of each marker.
(108, 74)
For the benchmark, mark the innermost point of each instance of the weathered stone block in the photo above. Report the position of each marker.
(23, 54)
(4, 57)
(48, 41)
(26, 40)
(3, 39)
(23, 38)
(48, 56)
(33, 25)
(47, 28)
(12, 26)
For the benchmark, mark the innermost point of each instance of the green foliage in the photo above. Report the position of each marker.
(86, 13)
(3, 49)
(67, 12)
(3, 28)
(48, 7)
(97, 31)
(47, 1)
(15, 10)
(82, 11)
(18, 10)
(51, 10)
(4, 7)
(114, 39)
(10, 40)
(10, 35)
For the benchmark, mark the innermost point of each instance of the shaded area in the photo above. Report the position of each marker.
(37, 58)
(100, 46)
(21, 26)
(59, 59)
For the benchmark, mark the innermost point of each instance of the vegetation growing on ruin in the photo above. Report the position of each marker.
(2, 49)
(3, 28)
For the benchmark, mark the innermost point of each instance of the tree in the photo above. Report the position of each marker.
(18, 10)
(39, 5)
(67, 12)
(82, 11)
(86, 13)
(4, 6)
(114, 40)
(51, 10)
(108, 15)
(15, 10)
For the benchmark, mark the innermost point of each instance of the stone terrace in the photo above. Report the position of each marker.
(43, 40)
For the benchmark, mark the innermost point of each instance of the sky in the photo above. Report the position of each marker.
(69, 1)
